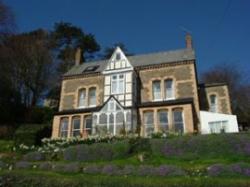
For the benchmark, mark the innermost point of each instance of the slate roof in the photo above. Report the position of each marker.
(138, 60)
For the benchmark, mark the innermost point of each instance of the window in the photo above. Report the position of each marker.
(117, 84)
(75, 126)
(103, 119)
(118, 56)
(88, 124)
(111, 123)
(149, 123)
(213, 103)
(218, 126)
(156, 90)
(82, 98)
(169, 89)
(92, 97)
(64, 127)
(90, 68)
(163, 120)
(178, 121)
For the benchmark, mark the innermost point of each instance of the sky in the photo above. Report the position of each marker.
(220, 28)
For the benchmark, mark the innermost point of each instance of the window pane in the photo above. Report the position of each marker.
(82, 98)
(76, 126)
(92, 96)
(120, 117)
(88, 124)
(163, 120)
(157, 90)
(178, 121)
(64, 127)
(114, 86)
(121, 86)
(213, 103)
(169, 91)
(149, 123)
(103, 119)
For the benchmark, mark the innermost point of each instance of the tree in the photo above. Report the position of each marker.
(239, 89)
(27, 60)
(7, 20)
(108, 51)
(66, 38)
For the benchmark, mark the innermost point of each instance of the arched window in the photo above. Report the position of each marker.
(148, 118)
(213, 103)
(88, 124)
(178, 121)
(64, 127)
(169, 89)
(82, 102)
(92, 96)
(163, 120)
(76, 126)
(103, 119)
(156, 87)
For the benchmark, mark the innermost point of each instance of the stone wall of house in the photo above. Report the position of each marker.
(222, 94)
(184, 77)
(70, 88)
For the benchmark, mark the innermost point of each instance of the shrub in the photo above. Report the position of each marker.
(128, 170)
(139, 145)
(92, 169)
(168, 170)
(110, 170)
(145, 170)
(98, 151)
(23, 165)
(34, 156)
(45, 166)
(72, 167)
(31, 134)
(3, 165)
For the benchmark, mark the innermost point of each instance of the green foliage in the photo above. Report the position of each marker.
(48, 179)
(6, 145)
(41, 115)
(31, 134)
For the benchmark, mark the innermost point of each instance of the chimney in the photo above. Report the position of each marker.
(189, 41)
(78, 56)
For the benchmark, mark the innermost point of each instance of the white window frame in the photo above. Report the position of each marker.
(166, 90)
(159, 121)
(119, 82)
(218, 126)
(62, 122)
(85, 124)
(148, 125)
(178, 122)
(73, 129)
(84, 99)
(213, 106)
(154, 92)
(90, 99)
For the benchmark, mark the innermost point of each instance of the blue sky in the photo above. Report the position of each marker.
(220, 28)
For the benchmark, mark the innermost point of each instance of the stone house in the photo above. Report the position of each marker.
(142, 94)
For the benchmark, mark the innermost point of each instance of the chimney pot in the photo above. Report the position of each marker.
(189, 44)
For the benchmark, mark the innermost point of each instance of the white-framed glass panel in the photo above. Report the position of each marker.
(178, 121)
(117, 84)
(120, 125)
(218, 126)
(64, 127)
(169, 89)
(75, 131)
(213, 103)
(88, 124)
(148, 118)
(82, 102)
(163, 120)
(92, 96)
(111, 123)
(156, 90)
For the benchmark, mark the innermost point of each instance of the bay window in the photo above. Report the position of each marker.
(76, 126)
(64, 127)
(163, 120)
(178, 121)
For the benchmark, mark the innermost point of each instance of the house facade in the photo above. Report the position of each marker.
(141, 94)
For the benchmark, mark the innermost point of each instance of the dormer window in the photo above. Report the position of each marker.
(118, 56)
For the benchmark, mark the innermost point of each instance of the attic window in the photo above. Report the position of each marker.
(90, 68)
(118, 56)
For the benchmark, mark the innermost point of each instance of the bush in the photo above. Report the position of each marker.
(31, 134)
(45, 166)
(34, 156)
(98, 151)
(72, 168)
(23, 165)
(92, 169)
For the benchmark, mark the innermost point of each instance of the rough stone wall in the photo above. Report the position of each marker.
(222, 94)
(70, 88)
(185, 82)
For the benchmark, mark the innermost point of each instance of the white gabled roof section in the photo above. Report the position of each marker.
(118, 62)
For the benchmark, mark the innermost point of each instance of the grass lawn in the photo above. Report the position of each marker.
(23, 178)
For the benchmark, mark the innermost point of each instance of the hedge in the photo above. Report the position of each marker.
(31, 134)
